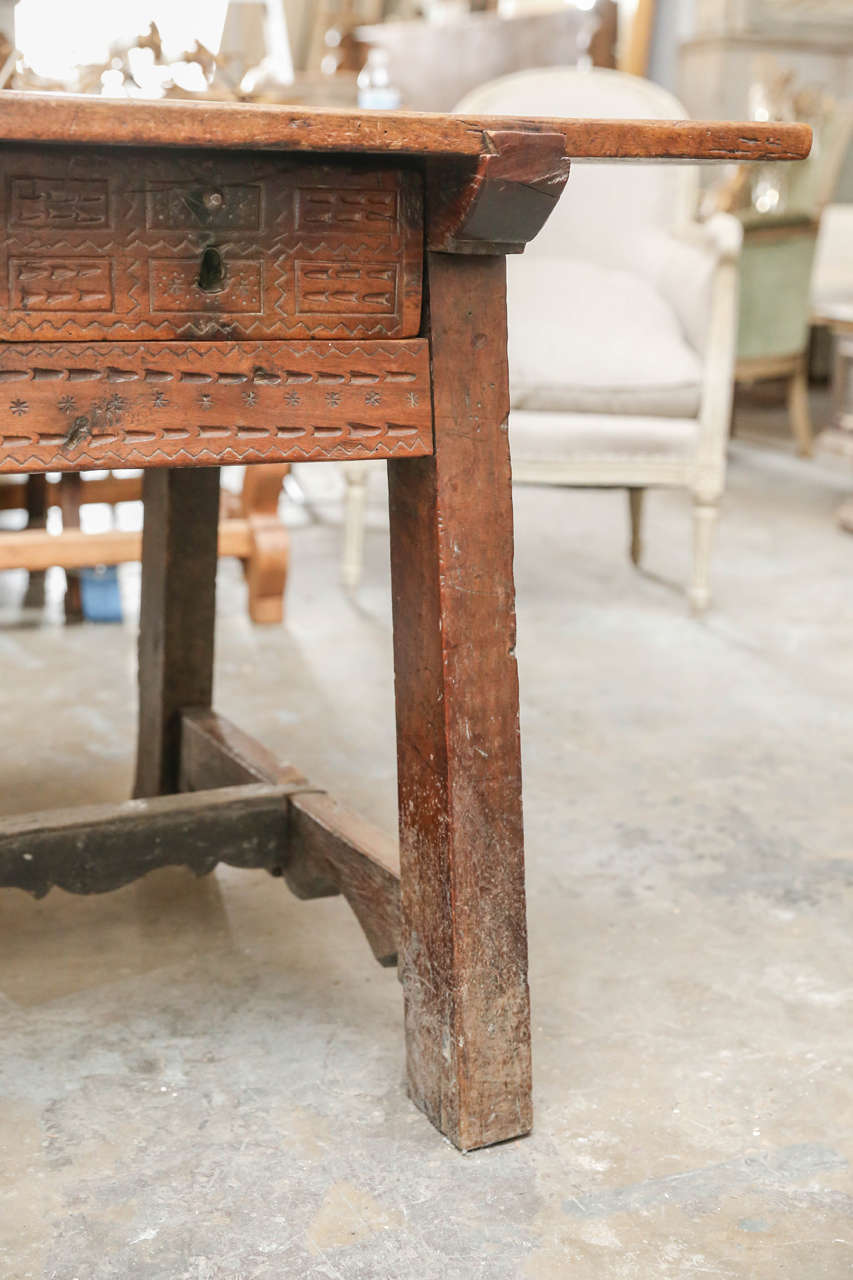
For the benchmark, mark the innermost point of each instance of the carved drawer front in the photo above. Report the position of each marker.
(182, 244)
(78, 406)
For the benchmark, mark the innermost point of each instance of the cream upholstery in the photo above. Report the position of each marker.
(595, 437)
(832, 277)
(631, 355)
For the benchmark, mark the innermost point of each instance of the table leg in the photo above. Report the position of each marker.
(179, 557)
(37, 505)
(70, 501)
(464, 938)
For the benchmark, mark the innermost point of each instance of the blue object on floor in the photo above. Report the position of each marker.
(100, 595)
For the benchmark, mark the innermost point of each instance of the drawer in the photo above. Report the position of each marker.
(74, 406)
(121, 244)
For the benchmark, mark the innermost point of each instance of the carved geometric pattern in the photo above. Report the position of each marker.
(226, 206)
(337, 287)
(64, 203)
(60, 284)
(318, 209)
(171, 283)
(80, 406)
(108, 245)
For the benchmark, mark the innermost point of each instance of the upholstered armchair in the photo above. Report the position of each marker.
(622, 318)
(622, 323)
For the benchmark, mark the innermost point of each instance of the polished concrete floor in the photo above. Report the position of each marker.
(203, 1080)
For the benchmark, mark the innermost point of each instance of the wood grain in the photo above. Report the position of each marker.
(98, 848)
(330, 850)
(111, 244)
(266, 568)
(464, 952)
(216, 753)
(73, 406)
(36, 549)
(108, 488)
(177, 615)
(69, 118)
(502, 200)
(70, 502)
(36, 495)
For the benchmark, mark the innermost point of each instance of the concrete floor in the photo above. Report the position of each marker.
(203, 1080)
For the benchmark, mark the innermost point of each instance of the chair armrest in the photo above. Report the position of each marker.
(696, 270)
(722, 233)
(683, 265)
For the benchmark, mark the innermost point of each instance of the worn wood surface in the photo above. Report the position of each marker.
(266, 566)
(97, 848)
(66, 118)
(107, 488)
(362, 862)
(34, 495)
(330, 850)
(256, 536)
(70, 502)
(36, 549)
(121, 244)
(102, 244)
(502, 200)
(177, 614)
(75, 406)
(463, 952)
(215, 753)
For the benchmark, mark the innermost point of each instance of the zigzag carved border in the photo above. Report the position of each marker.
(88, 406)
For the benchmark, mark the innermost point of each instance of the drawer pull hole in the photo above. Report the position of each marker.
(211, 276)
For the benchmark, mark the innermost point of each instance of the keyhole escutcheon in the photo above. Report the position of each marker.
(211, 274)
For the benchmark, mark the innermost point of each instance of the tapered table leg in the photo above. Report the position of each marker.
(464, 943)
(179, 557)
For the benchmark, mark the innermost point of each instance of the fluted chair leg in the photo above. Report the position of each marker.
(704, 522)
(355, 509)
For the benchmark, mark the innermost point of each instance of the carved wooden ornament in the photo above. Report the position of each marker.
(79, 406)
(125, 244)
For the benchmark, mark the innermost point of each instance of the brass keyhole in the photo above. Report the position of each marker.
(211, 274)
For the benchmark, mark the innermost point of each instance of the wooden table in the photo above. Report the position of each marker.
(187, 285)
